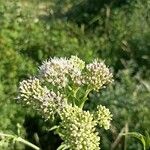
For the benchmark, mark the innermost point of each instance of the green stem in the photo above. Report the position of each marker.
(84, 98)
(7, 135)
(75, 92)
(125, 138)
(19, 139)
(75, 95)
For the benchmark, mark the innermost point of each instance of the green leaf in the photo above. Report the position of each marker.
(147, 140)
(138, 136)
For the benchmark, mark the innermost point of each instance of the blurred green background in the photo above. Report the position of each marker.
(117, 31)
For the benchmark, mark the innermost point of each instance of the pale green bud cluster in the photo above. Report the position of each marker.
(77, 63)
(103, 117)
(97, 75)
(77, 129)
(75, 71)
(40, 98)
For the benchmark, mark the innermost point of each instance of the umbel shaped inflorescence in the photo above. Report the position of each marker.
(40, 98)
(77, 129)
(60, 90)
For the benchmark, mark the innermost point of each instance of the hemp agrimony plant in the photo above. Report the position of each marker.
(59, 92)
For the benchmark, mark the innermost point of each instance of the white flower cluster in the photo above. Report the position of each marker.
(62, 71)
(54, 71)
(58, 70)
(77, 129)
(103, 117)
(97, 74)
(40, 98)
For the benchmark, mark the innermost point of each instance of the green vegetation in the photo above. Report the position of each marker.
(116, 31)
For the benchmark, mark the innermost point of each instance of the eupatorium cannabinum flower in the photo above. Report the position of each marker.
(103, 116)
(61, 71)
(54, 71)
(40, 98)
(97, 74)
(77, 129)
(60, 91)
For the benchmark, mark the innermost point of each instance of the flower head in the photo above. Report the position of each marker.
(75, 71)
(103, 117)
(77, 63)
(40, 98)
(54, 71)
(61, 87)
(97, 75)
(77, 129)
(62, 71)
